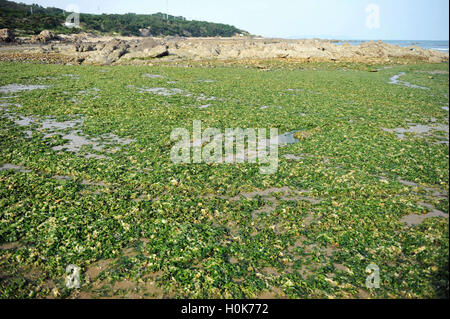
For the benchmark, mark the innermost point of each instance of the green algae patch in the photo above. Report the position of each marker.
(86, 179)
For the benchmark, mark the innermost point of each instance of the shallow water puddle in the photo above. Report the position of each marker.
(52, 124)
(13, 88)
(395, 80)
(287, 138)
(152, 76)
(51, 127)
(435, 72)
(420, 130)
(415, 219)
(76, 141)
(89, 91)
(161, 91)
(203, 97)
(4, 106)
(8, 166)
(280, 140)
(434, 192)
(19, 119)
(172, 91)
(73, 76)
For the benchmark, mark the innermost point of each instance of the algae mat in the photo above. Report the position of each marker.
(86, 179)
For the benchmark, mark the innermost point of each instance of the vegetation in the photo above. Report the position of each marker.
(139, 225)
(32, 19)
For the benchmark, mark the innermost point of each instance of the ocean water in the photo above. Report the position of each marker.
(424, 44)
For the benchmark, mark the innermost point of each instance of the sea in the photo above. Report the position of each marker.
(424, 44)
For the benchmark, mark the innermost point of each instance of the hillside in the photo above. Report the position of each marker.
(31, 19)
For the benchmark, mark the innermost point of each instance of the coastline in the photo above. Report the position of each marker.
(107, 50)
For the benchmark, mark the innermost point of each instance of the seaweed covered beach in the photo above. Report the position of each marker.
(86, 179)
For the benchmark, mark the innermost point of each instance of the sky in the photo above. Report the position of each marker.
(333, 19)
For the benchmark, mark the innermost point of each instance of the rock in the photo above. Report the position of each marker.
(282, 55)
(84, 47)
(43, 37)
(98, 50)
(157, 52)
(435, 59)
(109, 53)
(112, 46)
(6, 36)
(148, 48)
(148, 44)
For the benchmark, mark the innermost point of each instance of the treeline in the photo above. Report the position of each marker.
(31, 19)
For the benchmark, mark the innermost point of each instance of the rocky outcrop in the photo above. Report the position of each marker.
(226, 49)
(93, 49)
(85, 47)
(232, 49)
(108, 53)
(6, 36)
(148, 48)
(43, 37)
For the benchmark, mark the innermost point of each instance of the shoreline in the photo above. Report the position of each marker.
(107, 50)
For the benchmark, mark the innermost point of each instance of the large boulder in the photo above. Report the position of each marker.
(148, 48)
(6, 35)
(148, 44)
(109, 53)
(43, 37)
(156, 52)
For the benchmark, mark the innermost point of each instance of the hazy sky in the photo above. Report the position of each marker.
(343, 19)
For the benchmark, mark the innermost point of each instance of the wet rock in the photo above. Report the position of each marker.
(6, 35)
